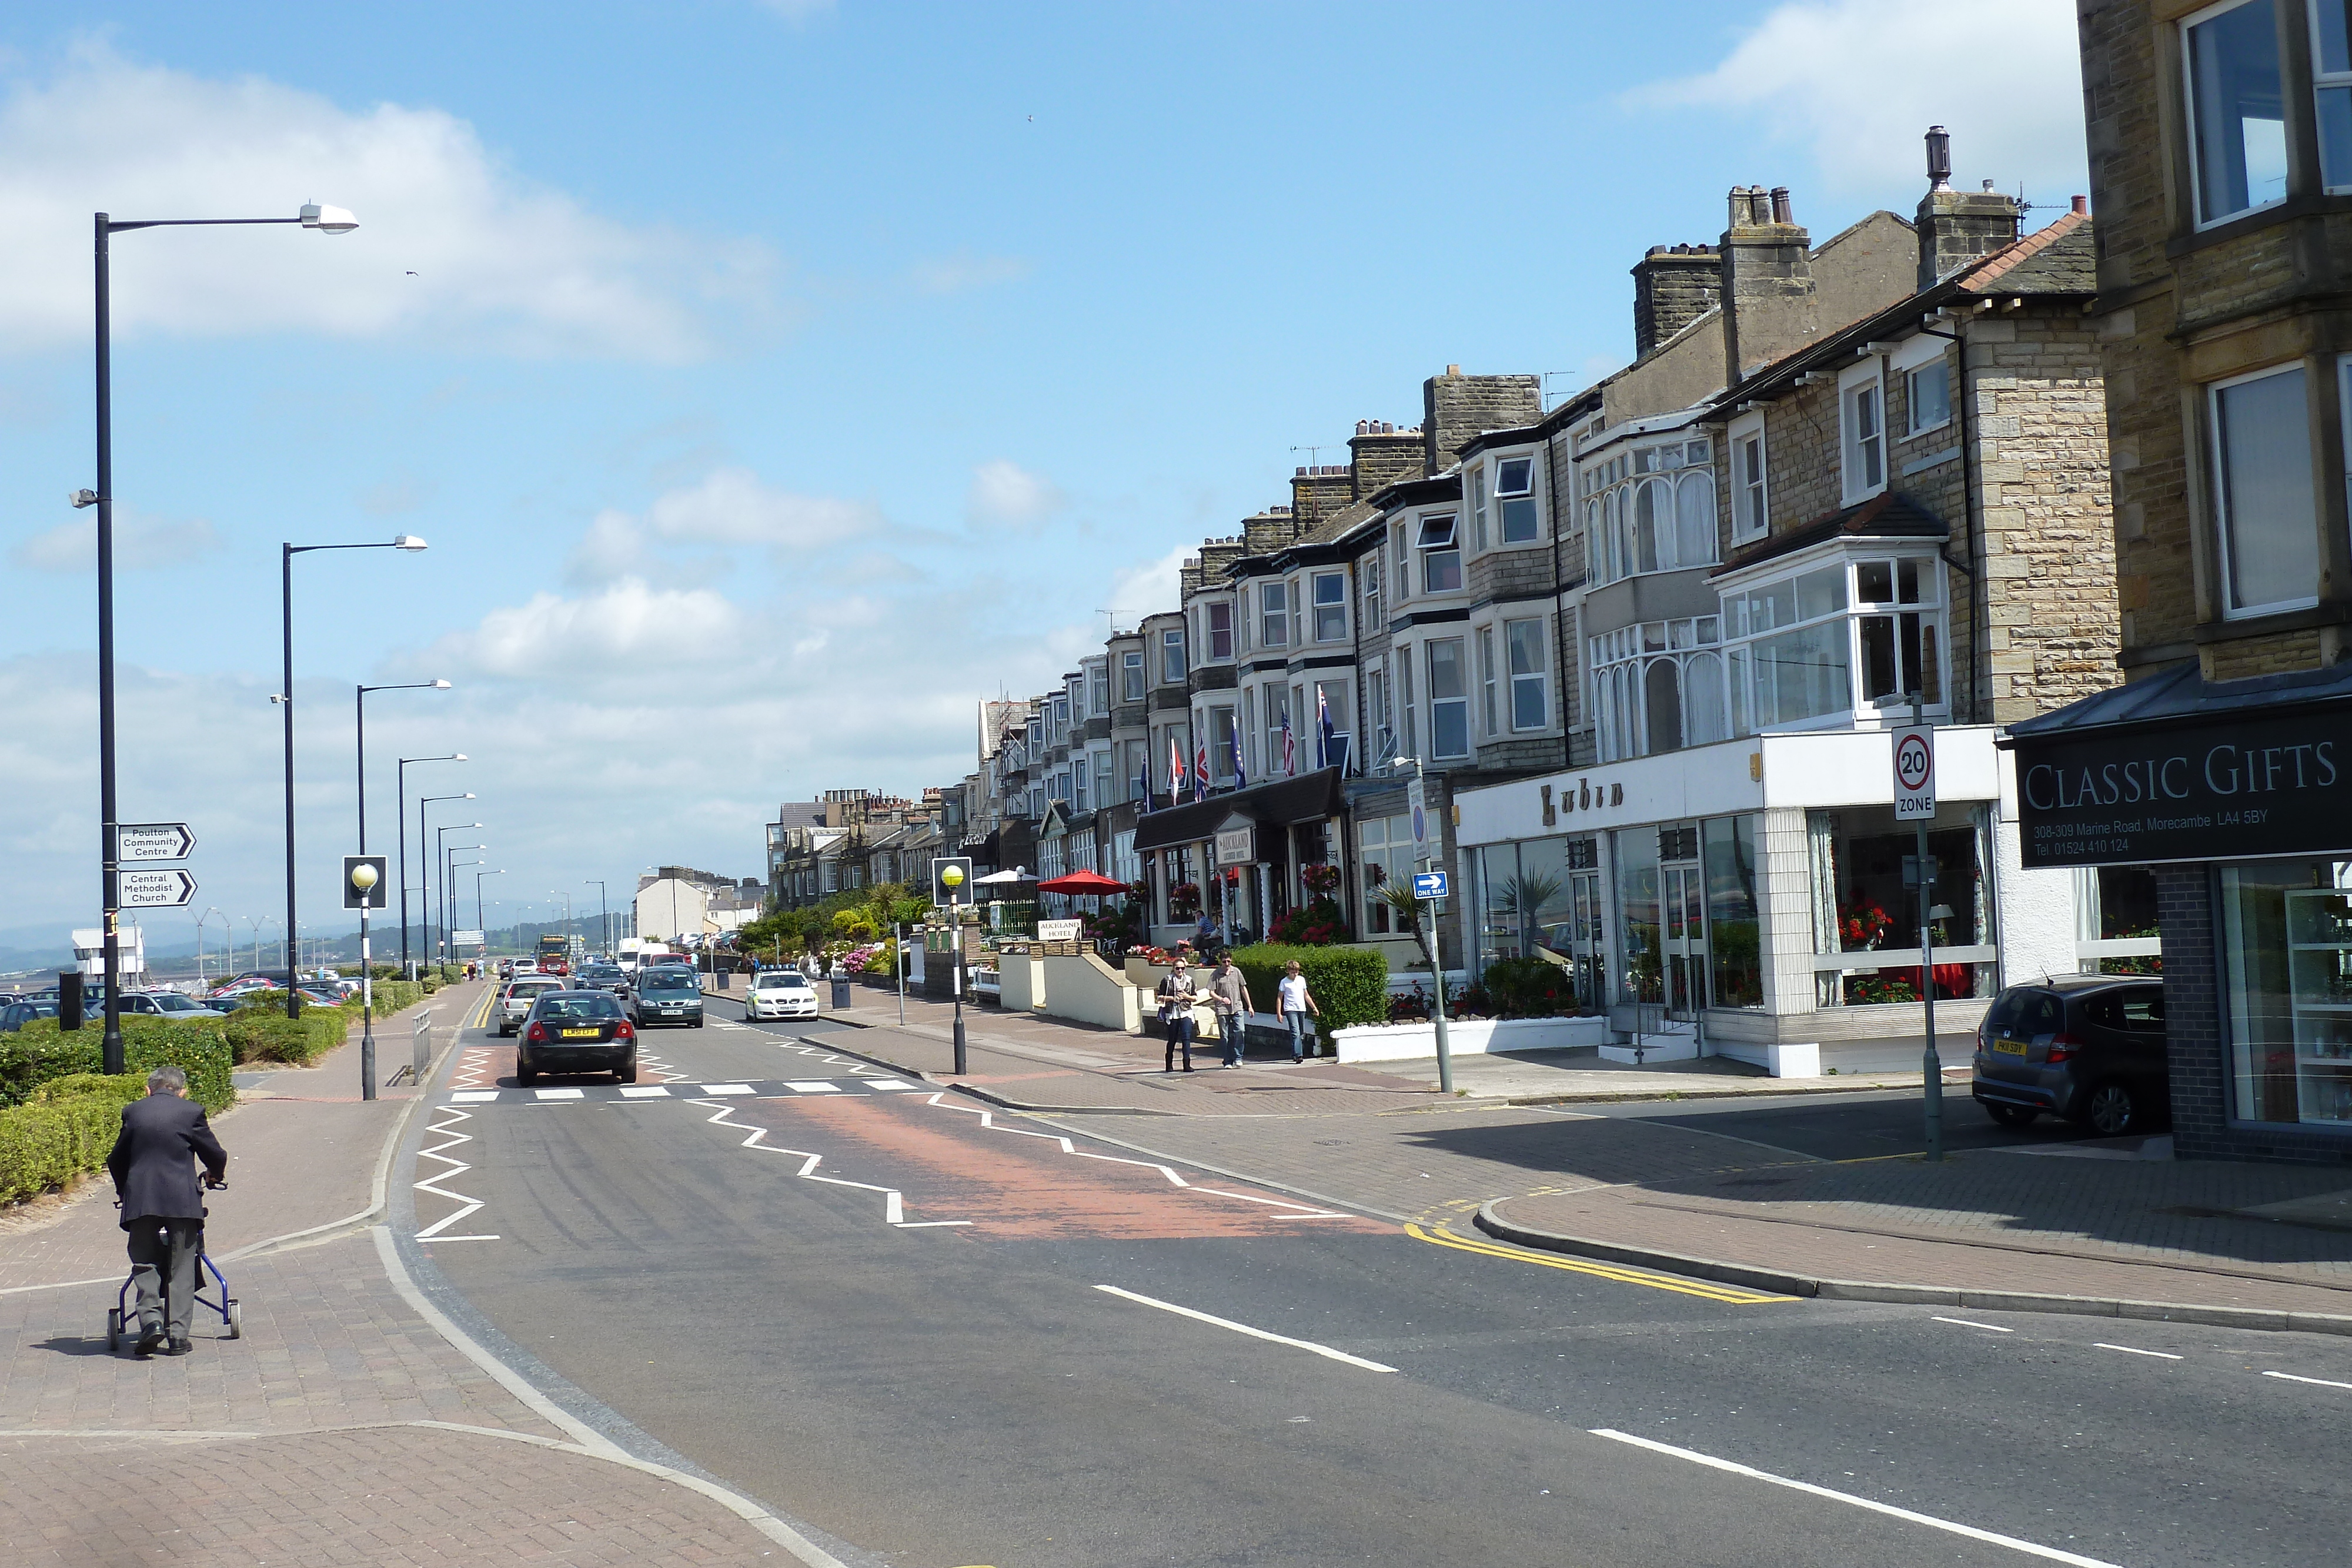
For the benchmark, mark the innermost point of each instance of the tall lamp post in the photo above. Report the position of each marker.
(327, 220)
(367, 957)
(558, 893)
(443, 850)
(401, 809)
(429, 873)
(410, 544)
(603, 914)
(450, 916)
(477, 895)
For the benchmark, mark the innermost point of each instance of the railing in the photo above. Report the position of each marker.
(422, 1039)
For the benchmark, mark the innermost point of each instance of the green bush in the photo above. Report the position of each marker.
(121, 1088)
(41, 1053)
(1529, 989)
(1349, 984)
(46, 1145)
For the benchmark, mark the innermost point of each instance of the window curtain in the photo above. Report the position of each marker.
(1820, 844)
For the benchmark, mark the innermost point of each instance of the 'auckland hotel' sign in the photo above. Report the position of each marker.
(2208, 792)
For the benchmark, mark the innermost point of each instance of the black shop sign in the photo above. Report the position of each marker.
(2210, 792)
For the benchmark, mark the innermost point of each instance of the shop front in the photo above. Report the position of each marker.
(2237, 800)
(1237, 862)
(1752, 898)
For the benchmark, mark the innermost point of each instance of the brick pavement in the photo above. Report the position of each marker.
(342, 1427)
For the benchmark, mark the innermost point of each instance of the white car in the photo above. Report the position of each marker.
(780, 993)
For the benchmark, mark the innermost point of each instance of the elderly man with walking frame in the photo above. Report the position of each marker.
(153, 1168)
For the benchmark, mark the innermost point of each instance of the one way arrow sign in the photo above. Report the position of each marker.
(156, 890)
(153, 842)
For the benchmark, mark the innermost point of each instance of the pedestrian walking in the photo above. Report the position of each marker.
(1229, 997)
(153, 1168)
(1296, 1005)
(1176, 994)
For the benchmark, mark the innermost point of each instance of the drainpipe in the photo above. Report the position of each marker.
(1969, 490)
(1559, 616)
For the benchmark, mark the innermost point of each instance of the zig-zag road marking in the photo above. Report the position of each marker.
(472, 1063)
(1297, 1210)
(893, 1211)
(457, 1168)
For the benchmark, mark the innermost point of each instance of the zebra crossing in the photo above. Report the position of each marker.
(755, 1089)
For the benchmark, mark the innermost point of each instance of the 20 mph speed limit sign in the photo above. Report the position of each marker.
(1914, 773)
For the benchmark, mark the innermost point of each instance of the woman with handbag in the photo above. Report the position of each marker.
(1175, 996)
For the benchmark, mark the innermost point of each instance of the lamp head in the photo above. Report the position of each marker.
(440, 685)
(83, 498)
(461, 756)
(408, 542)
(327, 220)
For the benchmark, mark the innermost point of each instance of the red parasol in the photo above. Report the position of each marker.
(1085, 882)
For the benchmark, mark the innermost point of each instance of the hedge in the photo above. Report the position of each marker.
(1350, 984)
(41, 1053)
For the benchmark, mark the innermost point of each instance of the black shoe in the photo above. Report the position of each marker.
(149, 1339)
(178, 1347)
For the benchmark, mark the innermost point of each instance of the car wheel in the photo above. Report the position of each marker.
(2011, 1115)
(525, 1073)
(627, 1072)
(2111, 1110)
(697, 1020)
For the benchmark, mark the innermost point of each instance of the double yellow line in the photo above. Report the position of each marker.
(1730, 1294)
(482, 1013)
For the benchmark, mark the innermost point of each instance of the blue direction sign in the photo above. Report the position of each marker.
(1429, 885)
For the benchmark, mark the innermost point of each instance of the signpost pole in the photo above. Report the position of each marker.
(899, 945)
(1437, 968)
(1914, 800)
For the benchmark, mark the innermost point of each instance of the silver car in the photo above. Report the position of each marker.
(514, 1002)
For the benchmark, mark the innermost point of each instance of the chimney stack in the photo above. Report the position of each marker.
(1767, 270)
(1956, 227)
(1673, 287)
(1380, 454)
(1456, 408)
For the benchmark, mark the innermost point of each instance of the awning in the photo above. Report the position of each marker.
(2171, 768)
(1309, 798)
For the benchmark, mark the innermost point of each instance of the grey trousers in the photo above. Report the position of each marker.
(160, 1245)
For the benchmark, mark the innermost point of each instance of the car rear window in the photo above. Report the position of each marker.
(2023, 1013)
(572, 1005)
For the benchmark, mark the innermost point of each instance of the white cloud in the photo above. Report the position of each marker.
(1857, 83)
(730, 506)
(954, 274)
(1137, 592)
(629, 628)
(140, 542)
(498, 261)
(1004, 492)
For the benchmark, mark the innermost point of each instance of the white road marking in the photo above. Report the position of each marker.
(1244, 1328)
(448, 1126)
(988, 1120)
(2134, 1350)
(727, 1089)
(2322, 1382)
(473, 1096)
(1930, 1521)
(814, 1086)
(649, 1092)
(1988, 1328)
(560, 1093)
(894, 1212)
(887, 1083)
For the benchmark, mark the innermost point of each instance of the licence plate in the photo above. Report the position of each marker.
(2009, 1047)
(583, 1033)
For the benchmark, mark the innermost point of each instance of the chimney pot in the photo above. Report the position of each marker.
(1781, 213)
(1988, 185)
(2082, 204)
(1939, 159)
(1453, 370)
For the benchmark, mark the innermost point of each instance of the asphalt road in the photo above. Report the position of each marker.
(960, 1387)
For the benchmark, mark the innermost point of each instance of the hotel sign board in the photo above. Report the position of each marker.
(2279, 786)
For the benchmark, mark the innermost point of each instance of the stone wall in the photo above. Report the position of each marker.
(1457, 407)
(1673, 287)
(1381, 457)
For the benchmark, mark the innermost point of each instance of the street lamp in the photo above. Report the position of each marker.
(603, 914)
(558, 893)
(439, 874)
(401, 809)
(367, 958)
(449, 895)
(408, 543)
(477, 893)
(327, 220)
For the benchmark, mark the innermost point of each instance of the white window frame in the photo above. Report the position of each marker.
(1274, 614)
(1081, 798)
(1752, 481)
(1171, 646)
(2221, 523)
(1209, 613)
(1477, 499)
(1869, 378)
(1429, 653)
(1919, 354)
(1451, 544)
(1401, 581)
(1131, 662)
(1541, 676)
(1504, 498)
(1489, 714)
(1337, 603)
(2189, 114)
(1370, 569)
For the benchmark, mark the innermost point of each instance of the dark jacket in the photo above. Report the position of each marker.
(153, 1165)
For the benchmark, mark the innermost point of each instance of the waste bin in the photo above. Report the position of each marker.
(840, 992)
(726, 977)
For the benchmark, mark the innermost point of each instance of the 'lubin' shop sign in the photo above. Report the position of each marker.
(2268, 787)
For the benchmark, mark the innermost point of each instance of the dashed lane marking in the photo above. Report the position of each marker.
(2030, 1548)
(814, 1086)
(2134, 1349)
(649, 1092)
(1964, 1323)
(1731, 1295)
(1306, 1344)
(2322, 1382)
(473, 1096)
(560, 1093)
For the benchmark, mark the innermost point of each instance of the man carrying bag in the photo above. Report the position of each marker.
(1175, 996)
(154, 1177)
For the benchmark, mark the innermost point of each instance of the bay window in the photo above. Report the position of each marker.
(1330, 594)
(1478, 508)
(1130, 667)
(1515, 499)
(1440, 556)
(1654, 511)
(1220, 630)
(1850, 636)
(1530, 695)
(1273, 615)
(1172, 656)
(1488, 711)
(2237, 113)
(1901, 649)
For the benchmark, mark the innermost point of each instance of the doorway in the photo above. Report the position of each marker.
(1681, 900)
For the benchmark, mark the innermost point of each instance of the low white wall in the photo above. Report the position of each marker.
(1022, 980)
(1468, 1037)
(1091, 991)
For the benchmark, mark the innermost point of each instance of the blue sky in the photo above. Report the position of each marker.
(774, 381)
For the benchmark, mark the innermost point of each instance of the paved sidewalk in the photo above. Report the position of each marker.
(342, 1427)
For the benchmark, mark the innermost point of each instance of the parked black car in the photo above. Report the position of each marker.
(576, 1031)
(2089, 1048)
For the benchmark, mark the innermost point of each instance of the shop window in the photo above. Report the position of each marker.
(1861, 906)
(1639, 954)
(1734, 935)
(1449, 699)
(1440, 556)
(1384, 850)
(2264, 497)
(2286, 960)
(2237, 119)
(1515, 499)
